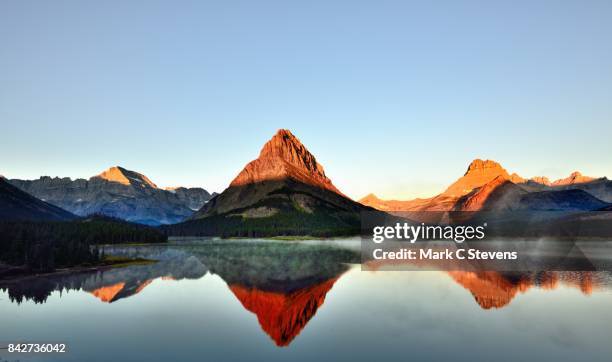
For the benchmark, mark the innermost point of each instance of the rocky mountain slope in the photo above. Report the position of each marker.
(487, 186)
(16, 205)
(192, 197)
(283, 192)
(497, 194)
(120, 193)
(479, 173)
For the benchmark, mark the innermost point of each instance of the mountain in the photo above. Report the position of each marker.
(487, 186)
(561, 200)
(283, 192)
(437, 203)
(598, 187)
(120, 193)
(479, 172)
(283, 315)
(575, 178)
(497, 194)
(283, 284)
(284, 157)
(16, 205)
(542, 180)
(384, 205)
(126, 177)
(492, 289)
(193, 197)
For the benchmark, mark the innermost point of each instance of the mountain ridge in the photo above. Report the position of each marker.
(284, 156)
(282, 192)
(126, 177)
(17, 205)
(486, 185)
(117, 192)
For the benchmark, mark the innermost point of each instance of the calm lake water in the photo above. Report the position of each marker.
(306, 301)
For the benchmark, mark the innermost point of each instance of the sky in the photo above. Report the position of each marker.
(392, 97)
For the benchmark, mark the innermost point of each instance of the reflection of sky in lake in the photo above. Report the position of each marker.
(365, 316)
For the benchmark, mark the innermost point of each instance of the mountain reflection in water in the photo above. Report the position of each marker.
(283, 284)
(496, 290)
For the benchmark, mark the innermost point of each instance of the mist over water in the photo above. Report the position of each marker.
(304, 301)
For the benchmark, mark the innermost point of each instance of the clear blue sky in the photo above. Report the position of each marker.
(392, 97)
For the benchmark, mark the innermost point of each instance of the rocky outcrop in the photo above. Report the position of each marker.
(515, 178)
(538, 183)
(125, 177)
(283, 192)
(192, 197)
(284, 157)
(119, 193)
(479, 172)
(17, 205)
(499, 194)
(574, 178)
(542, 180)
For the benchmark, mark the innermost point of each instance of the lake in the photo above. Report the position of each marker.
(211, 300)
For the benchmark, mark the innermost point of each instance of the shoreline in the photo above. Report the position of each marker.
(11, 274)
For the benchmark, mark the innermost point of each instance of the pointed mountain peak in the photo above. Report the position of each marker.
(289, 148)
(369, 198)
(479, 172)
(108, 293)
(280, 189)
(484, 166)
(123, 176)
(283, 157)
(574, 178)
(283, 139)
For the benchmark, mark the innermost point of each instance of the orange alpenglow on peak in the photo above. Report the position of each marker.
(369, 198)
(575, 178)
(479, 166)
(487, 185)
(517, 179)
(285, 157)
(126, 177)
(112, 293)
(490, 289)
(477, 200)
(283, 315)
(108, 293)
(543, 180)
(493, 289)
(479, 172)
